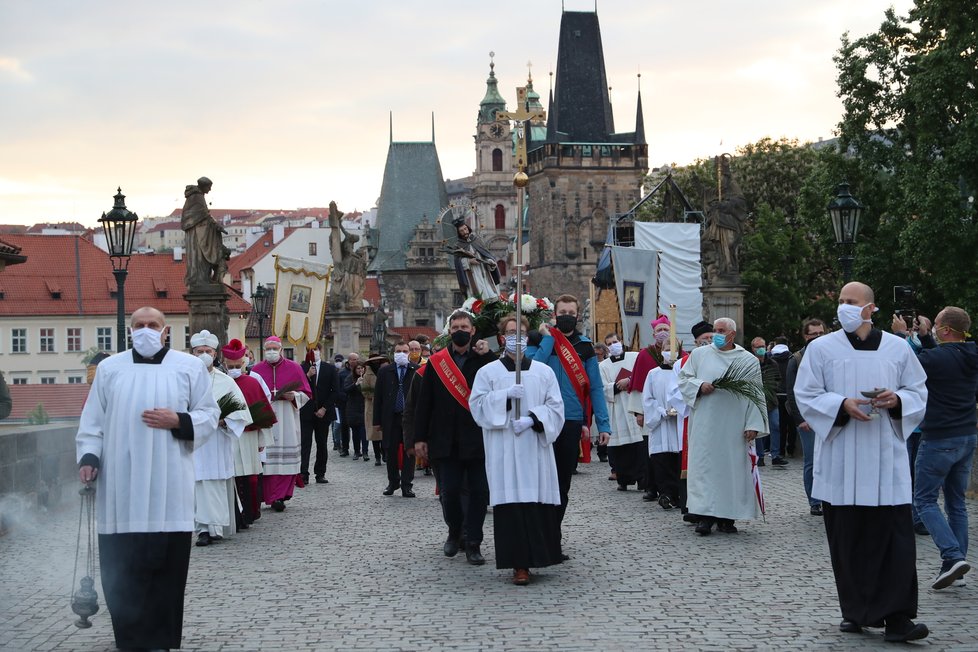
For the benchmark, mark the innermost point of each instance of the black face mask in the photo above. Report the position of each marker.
(566, 323)
(461, 338)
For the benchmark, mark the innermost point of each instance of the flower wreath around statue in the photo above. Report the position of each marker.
(486, 315)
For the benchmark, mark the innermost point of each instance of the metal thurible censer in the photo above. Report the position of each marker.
(84, 601)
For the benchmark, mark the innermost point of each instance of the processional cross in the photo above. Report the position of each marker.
(521, 117)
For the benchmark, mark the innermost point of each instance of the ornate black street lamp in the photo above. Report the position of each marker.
(119, 225)
(261, 299)
(845, 211)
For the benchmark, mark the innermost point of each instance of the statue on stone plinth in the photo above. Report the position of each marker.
(206, 254)
(475, 267)
(349, 265)
(725, 217)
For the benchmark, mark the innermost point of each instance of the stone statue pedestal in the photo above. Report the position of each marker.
(346, 331)
(725, 299)
(208, 310)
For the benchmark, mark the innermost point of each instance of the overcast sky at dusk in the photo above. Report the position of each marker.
(285, 104)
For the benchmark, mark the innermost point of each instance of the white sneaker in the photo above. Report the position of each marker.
(950, 571)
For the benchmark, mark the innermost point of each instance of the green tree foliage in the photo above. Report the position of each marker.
(910, 93)
(38, 416)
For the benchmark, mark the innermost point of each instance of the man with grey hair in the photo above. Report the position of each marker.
(722, 430)
(146, 410)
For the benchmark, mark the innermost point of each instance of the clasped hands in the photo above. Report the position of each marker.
(887, 400)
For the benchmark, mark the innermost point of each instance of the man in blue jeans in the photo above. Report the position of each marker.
(811, 329)
(772, 378)
(948, 437)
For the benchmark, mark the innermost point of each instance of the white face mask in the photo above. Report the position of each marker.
(235, 372)
(400, 358)
(615, 349)
(207, 359)
(851, 317)
(147, 341)
(667, 356)
(273, 355)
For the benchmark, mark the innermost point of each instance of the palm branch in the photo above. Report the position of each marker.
(262, 415)
(285, 389)
(743, 380)
(228, 404)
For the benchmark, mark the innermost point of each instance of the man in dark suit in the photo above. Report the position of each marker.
(317, 414)
(445, 431)
(390, 397)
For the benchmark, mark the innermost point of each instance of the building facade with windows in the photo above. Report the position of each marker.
(59, 307)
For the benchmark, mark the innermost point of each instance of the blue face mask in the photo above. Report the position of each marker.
(719, 340)
(760, 351)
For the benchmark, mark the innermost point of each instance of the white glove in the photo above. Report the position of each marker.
(516, 391)
(662, 412)
(521, 424)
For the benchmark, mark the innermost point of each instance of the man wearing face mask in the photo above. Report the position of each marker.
(862, 471)
(317, 414)
(772, 377)
(662, 423)
(445, 432)
(571, 357)
(290, 391)
(136, 439)
(811, 329)
(722, 429)
(214, 493)
(626, 447)
(248, 447)
(390, 399)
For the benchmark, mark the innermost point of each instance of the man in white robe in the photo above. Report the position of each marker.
(626, 447)
(722, 427)
(662, 422)
(862, 470)
(215, 498)
(520, 462)
(135, 439)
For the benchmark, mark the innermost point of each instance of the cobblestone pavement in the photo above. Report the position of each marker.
(345, 568)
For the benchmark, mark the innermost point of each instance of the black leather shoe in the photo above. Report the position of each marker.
(203, 539)
(473, 556)
(816, 510)
(850, 627)
(704, 527)
(727, 528)
(564, 557)
(452, 544)
(902, 630)
(389, 491)
(377, 462)
(278, 505)
(321, 479)
(649, 496)
(407, 493)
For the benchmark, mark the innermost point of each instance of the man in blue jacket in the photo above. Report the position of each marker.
(948, 437)
(571, 356)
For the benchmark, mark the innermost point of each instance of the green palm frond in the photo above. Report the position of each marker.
(743, 380)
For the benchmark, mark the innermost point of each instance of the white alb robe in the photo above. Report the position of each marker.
(520, 468)
(282, 454)
(663, 430)
(146, 475)
(862, 462)
(624, 428)
(719, 481)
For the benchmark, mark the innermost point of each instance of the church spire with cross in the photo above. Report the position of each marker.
(493, 102)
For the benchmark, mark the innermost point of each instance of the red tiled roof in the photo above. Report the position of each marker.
(83, 274)
(408, 332)
(13, 228)
(371, 291)
(59, 401)
(165, 226)
(258, 250)
(66, 226)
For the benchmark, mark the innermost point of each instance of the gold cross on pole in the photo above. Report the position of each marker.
(521, 117)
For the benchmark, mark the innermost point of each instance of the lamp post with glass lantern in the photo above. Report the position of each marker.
(845, 211)
(119, 225)
(259, 305)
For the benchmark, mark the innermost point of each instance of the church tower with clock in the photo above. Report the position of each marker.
(492, 194)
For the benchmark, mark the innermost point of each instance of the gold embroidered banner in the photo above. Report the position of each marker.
(301, 289)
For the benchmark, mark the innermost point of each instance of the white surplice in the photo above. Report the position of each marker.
(253, 465)
(719, 481)
(624, 428)
(146, 475)
(663, 430)
(862, 462)
(282, 453)
(520, 468)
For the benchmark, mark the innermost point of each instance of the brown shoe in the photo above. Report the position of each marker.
(521, 577)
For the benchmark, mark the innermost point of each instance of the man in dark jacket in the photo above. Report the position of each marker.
(390, 398)
(780, 354)
(811, 329)
(948, 437)
(316, 415)
(445, 431)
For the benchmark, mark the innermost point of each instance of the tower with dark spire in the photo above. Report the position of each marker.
(581, 171)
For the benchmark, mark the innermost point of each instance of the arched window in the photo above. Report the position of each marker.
(500, 217)
(497, 160)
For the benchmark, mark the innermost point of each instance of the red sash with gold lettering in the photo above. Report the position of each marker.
(574, 368)
(451, 376)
